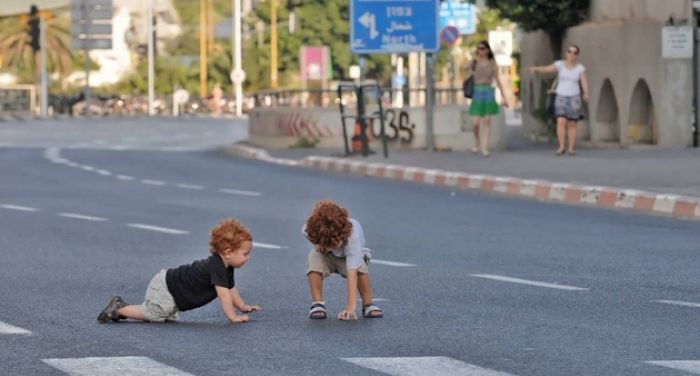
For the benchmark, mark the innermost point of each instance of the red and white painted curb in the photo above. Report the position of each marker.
(604, 197)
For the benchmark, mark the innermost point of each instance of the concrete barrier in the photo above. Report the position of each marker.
(281, 127)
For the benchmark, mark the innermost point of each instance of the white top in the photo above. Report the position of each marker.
(354, 251)
(569, 78)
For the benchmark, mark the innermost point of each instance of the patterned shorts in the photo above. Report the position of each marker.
(570, 108)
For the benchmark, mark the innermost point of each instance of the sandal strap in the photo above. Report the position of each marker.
(317, 308)
(370, 308)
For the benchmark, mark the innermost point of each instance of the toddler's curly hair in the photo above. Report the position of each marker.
(328, 225)
(229, 234)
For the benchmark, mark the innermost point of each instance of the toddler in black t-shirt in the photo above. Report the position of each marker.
(194, 285)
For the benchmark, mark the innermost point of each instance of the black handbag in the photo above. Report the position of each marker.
(468, 84)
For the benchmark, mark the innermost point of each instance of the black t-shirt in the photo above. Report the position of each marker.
(192, 285)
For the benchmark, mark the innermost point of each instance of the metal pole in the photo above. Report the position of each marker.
(429, 102)
(696, 53)
(42, 60)
(86, 51)
(273, 44)
(202, 49)
(237, 66)
(151, 69)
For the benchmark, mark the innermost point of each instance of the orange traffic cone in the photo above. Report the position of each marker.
(357, 139)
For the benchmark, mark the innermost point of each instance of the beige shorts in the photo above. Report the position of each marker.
(328, 263)
(159, 305)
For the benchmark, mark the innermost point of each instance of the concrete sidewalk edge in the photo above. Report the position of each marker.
(595, 196)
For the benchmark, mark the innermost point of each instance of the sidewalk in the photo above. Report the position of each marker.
(663, 181)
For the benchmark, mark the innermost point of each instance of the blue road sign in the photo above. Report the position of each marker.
(393, 26)
(460, 14)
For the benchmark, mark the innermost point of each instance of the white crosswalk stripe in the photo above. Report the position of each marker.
(692, 366)
(9, 329)
(424, 366)
(114, 366)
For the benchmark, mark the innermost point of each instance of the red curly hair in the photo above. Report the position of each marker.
(229, 234)
(328, 225)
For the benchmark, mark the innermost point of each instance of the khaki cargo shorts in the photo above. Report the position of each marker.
(159, 305)
(328, 263)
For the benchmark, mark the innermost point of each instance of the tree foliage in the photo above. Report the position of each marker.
(553, 17)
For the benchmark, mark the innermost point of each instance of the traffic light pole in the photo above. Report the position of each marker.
(86, 64)
(42, 62)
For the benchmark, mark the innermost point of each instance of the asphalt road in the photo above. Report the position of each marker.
(471, 284)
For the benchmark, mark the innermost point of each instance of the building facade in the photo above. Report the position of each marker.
(636, 95)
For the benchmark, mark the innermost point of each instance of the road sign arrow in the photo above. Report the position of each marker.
(368, 20)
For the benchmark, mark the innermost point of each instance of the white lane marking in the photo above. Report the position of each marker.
(267, 246)
(391, 263)
(88, 168)
(424, 366)
(19, 208)
(240, 192)
(158, 229)
(692, 366)
(678, 303)
(114, 366)
(81, 216)
(152, 182)
(104, 172)
(528, 282)
(126, 177)
(375, 300)
(9, 329)
(189, 186)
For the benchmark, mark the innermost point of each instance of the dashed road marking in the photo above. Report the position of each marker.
(530, 283)
(678, 303)
(19, 208)
(424, 366)
(158, 229)
(240, 192)
(114, 366)
(104, 172)
(9, 329)
(692, 366)
(391, 263)
(267, 246)
(153, 182)
(125, 177)
(189, 186)
(81, 216)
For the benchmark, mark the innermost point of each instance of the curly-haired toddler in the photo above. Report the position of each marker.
(194, 285)
(339, 247)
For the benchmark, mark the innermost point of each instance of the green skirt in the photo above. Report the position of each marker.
(483, 101)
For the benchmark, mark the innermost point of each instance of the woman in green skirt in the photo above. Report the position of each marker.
(483, 106)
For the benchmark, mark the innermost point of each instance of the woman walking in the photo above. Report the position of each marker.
(484, 106)
(568, 105)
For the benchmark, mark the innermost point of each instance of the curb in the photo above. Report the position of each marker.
(676, 206)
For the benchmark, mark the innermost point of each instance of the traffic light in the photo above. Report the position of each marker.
(33, 28)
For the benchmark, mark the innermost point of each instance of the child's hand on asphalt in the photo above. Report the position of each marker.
(347, 314)
(251, 308)
(240, 318)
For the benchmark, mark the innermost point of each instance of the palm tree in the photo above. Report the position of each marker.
(18, 55)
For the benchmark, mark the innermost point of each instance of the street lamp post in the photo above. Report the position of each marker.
(237, 74)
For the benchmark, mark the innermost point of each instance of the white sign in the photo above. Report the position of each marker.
(501, 42)
(677, 42)
(237, 76)
(181, 96)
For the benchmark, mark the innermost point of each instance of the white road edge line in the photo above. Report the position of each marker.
(158, 229)
(692, 366)
(426, 365)
(678, 303)
(528, 282)
(267, 246)
(240, 192)
(391, 263)
(114, 366)
(19, 208)
(9, 329)
(81, 216)
(190, 186)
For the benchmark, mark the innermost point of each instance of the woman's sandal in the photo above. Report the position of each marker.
(318, 312)
(371, 311)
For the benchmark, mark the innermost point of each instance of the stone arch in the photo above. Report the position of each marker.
(607, 115)
(641, 127)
